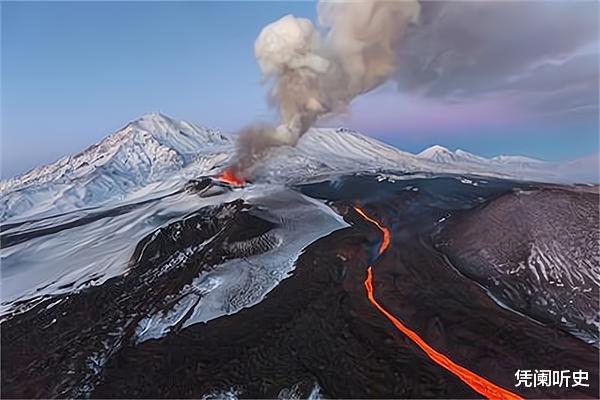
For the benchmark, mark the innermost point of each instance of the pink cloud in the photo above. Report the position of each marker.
(388, 111)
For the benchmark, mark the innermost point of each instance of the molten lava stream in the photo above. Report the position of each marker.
(228, 176)
(385, 241)
(476, 382)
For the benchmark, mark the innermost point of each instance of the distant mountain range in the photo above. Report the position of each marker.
(156, 153)
(441, 154)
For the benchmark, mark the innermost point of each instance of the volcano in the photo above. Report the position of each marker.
(142, 268)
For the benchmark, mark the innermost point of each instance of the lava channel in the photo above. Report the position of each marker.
(476, 382)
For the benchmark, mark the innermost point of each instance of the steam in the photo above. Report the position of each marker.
(314, 76)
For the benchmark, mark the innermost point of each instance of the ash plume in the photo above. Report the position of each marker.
(313, 76)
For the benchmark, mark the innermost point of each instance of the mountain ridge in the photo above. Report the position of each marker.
(440, 153)
(152, 128)
(155, 148)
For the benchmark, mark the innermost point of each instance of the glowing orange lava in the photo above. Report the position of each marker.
(229, 176)
(385, 241)
(476, 382)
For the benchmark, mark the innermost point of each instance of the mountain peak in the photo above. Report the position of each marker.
(155, 116)
(435, 149)
(179, 134)
(437, 153)
(440, 154)
(152, 120)
(144, 150)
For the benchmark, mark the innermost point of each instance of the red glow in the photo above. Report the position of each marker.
(229, 177)
(385, 241)
(476, 382)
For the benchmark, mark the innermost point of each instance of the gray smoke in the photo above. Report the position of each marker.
(313, 76)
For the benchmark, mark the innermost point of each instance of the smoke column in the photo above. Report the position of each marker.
(313, 75)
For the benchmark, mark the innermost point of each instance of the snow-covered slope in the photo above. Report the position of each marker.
(510, 166)
(325, 151)
(147, 150)
(440, 154)
(504, 159)
(156, 153)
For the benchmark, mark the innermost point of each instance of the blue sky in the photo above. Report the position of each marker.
(73, 72)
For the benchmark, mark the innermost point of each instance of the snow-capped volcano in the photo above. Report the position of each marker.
(140, 151)
(156, 151)
(146, 150)
(440, 154)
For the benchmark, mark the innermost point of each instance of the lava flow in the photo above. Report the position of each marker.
(228, 176)
(476, 382)
(385, 241)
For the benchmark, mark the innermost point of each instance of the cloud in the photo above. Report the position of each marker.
(541, 55)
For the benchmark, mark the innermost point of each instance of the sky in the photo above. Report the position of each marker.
(487, 77)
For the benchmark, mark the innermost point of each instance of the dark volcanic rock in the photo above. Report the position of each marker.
(59, 347)
(308, 328)
(315, 327)
(537, 252)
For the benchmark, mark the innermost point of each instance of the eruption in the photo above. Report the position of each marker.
(313, 76)
(230, 177)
